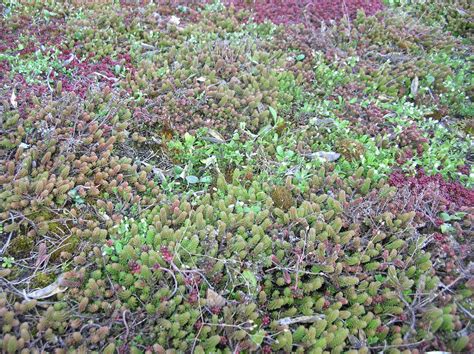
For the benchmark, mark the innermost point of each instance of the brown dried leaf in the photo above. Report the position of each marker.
(214, 137)
(214, 299)
(42, 254)
(47, 291)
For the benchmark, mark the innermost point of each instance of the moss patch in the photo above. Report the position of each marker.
(282, 197)
(21, 246)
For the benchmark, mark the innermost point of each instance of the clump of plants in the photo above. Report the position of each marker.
(282, 197)
(310, 12)
(453, 15)
(183, 177)
(233, 80)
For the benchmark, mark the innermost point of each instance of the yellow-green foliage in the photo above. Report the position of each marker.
(125, 230)
(282, 197)
(21, 245)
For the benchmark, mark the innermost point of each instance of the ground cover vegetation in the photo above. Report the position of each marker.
(236, 176)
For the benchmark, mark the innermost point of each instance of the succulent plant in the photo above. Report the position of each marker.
(164, 186)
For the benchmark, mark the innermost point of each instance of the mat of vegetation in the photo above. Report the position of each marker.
(237, 176)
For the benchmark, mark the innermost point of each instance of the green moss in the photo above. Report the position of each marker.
(282, 197)
(42, 280)
(21, 246)
(468, 126)
(70, 246)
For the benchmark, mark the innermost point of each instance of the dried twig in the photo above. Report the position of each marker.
(174, 279)
(407, 345)
(7, 243)
(124, 319)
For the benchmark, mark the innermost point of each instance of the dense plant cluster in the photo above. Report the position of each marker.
(453, 15)
(310, 12)
(236, 176)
